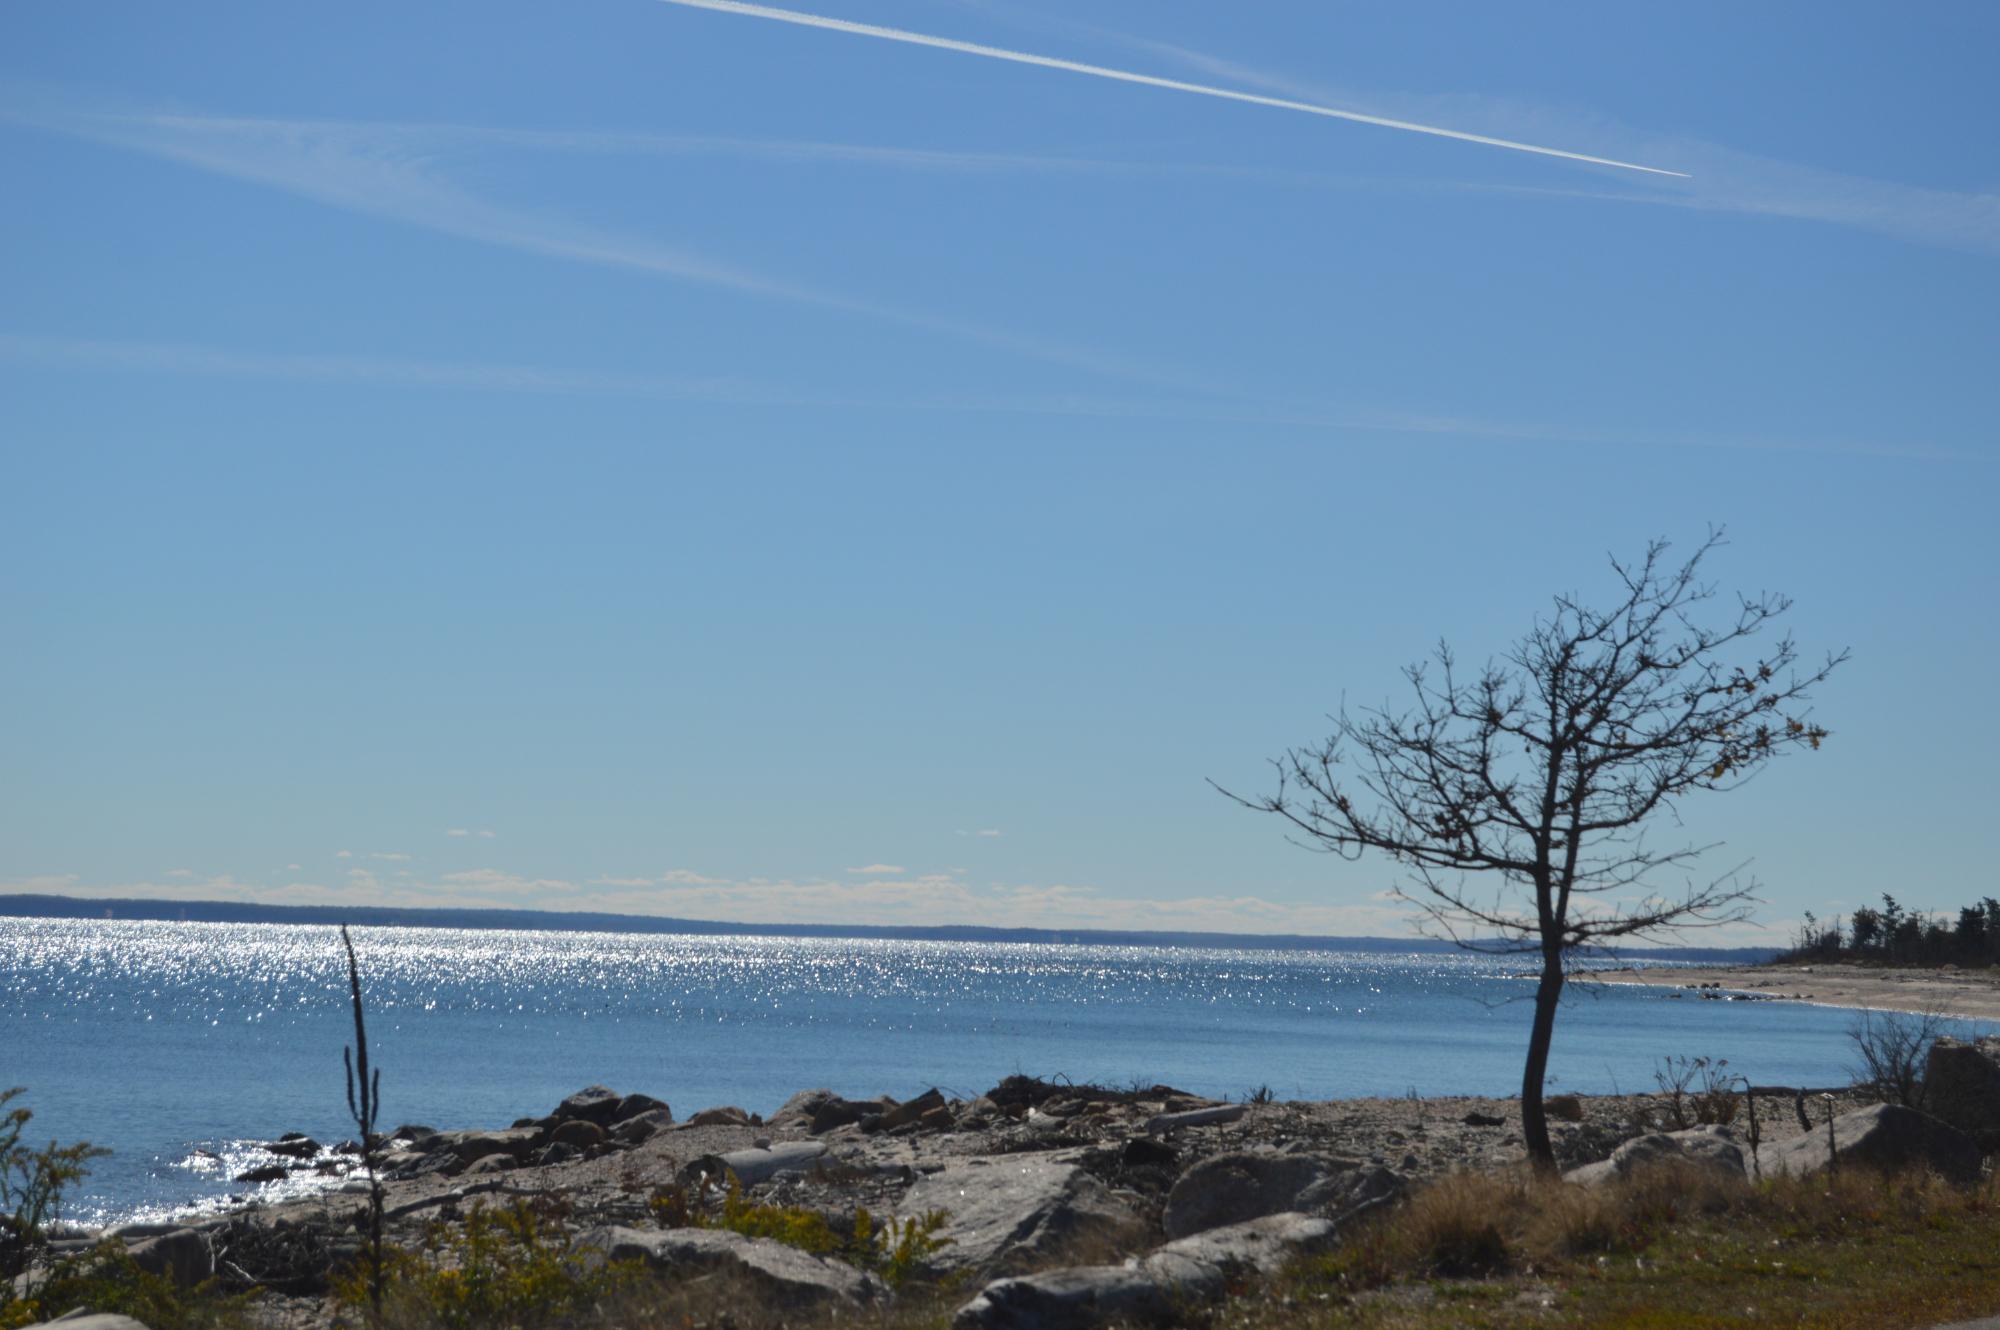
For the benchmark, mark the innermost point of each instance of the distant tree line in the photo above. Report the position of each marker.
(1896, 935)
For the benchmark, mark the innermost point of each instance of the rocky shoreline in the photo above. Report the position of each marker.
(1031, 1183)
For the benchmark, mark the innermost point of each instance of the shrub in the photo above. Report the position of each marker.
(1699, 1092)
(509, 1265)
(107, 1280)
(1890, 1050)
(897, 1251)
(31, 1192)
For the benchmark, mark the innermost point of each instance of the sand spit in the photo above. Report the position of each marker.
(1967, 994)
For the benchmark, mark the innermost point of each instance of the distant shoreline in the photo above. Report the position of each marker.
(1966, 994)
(42, 906)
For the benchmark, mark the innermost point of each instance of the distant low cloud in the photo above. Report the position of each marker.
(876, 869)
(392, 857)
(484, 833)
(343, 854)
(180, 872)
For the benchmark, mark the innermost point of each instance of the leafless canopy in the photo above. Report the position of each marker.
(1544, 768)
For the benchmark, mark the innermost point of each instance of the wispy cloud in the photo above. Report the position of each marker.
(485, 833)
(1717, 178)
(876, 869)
(1147, 80)
(1350, 420)
(393, 172)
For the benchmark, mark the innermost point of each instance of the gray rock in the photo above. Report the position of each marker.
(1074, 1299)
(633, 1131)
(1194, 1117)
(726, 1115)
(904, 1114)
(1013, 1210)
(467, 1146)
(578, 1134)
(794, 1277)
(183, 1256)
(1962, 1087)
(86, 1320)
(1262, 1245)
(1162, 1289)
(632, 1105)
(1349, 1190)
(822, 1110)
(1231, 1188)
(756, 1165)
(1712, 1148)
(593, 1103)
(293, 1145)
(1881, 1136)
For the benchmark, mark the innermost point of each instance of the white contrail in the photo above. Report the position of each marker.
(1125, 76)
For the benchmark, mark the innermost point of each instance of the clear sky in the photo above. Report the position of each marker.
(631, 456)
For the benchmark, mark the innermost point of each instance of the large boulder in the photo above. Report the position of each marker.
(1078, 1298)
(1710, 1148)
(593, 1103)
(632, 1131)
(1962, 1087)
(1161, 1289)
(1882, 1136)
(183, 1256)
(632, 1105)
(578, 1134)
(822, 1110)
(1013, 1210)
(793, 1277)
(1231, 1188)
(88, 1320)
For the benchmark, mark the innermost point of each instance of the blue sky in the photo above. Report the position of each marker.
(638, 457)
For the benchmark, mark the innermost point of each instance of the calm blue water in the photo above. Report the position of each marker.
(158, 1039)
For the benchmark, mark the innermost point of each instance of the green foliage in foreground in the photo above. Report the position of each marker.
(31, 1186)
(106, 1280)
(511, 1265)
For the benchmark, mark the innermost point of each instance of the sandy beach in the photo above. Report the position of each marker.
(1968, 994)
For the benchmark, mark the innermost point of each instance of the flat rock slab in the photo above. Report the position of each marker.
(1011, 1209)
(1162, 1289)
(797, 1278)
(757, 1165)
(82, 1320)
(1706, 1147)
(1881, 1136)
(1075, 1299)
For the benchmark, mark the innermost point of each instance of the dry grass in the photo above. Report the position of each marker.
(1670, 1247)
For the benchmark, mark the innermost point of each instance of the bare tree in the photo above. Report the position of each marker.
(1539, 773)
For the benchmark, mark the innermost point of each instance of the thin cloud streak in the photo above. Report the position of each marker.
(358, 168)
(1719, 178)
(173, 358)
(1147, 80)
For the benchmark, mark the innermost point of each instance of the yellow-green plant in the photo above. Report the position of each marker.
(897, 1250)
(108, 1280)
(506, 1265)
(31, 1192)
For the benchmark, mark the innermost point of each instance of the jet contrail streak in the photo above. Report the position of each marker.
(1125, 76)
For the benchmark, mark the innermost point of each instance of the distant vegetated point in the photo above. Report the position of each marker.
(44, 906)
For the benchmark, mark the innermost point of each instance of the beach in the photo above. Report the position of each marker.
(1946, 990)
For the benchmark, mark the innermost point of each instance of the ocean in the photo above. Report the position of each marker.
(180, 1045)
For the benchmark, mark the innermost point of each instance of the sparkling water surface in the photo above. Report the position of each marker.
(180, 1045)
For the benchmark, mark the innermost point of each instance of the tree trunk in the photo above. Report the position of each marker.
(1534, 1122)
